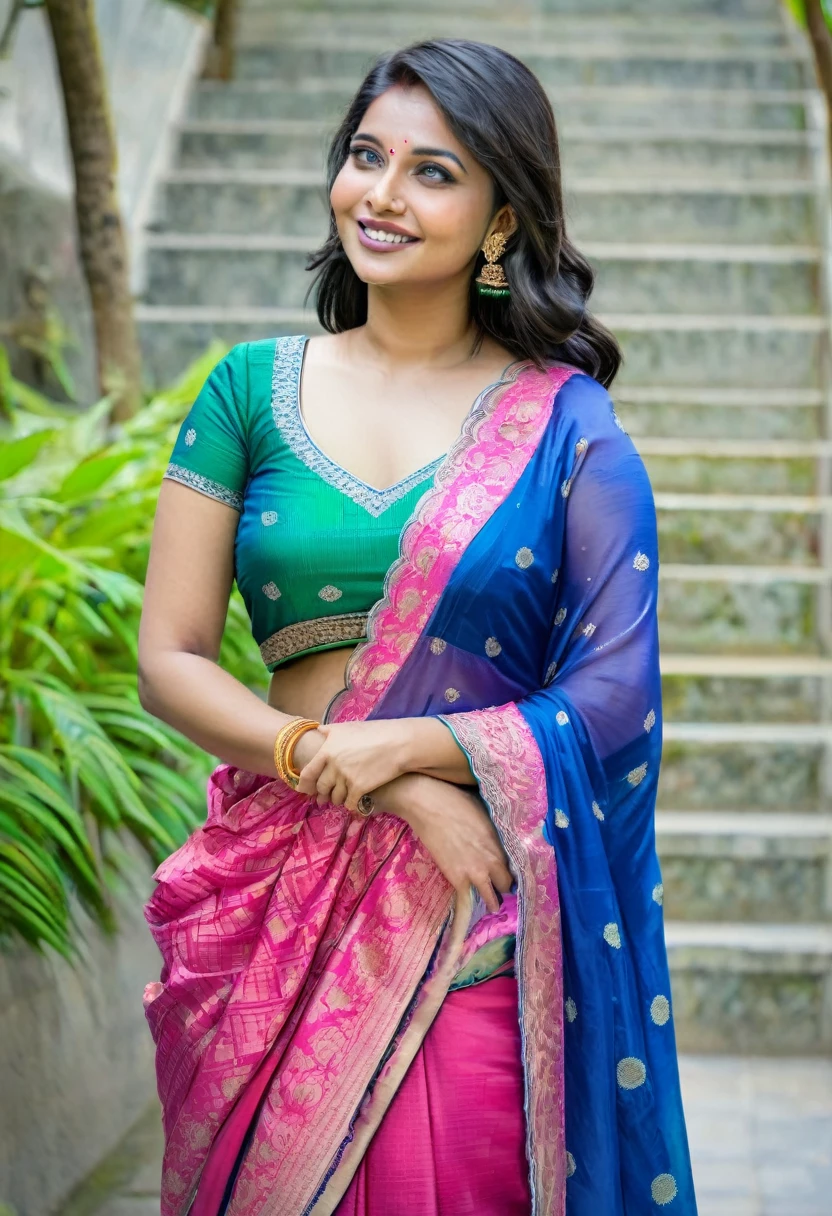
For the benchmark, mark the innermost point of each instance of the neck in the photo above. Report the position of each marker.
(418, 325)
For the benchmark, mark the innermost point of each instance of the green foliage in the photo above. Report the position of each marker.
(798, 10)
(81, 763)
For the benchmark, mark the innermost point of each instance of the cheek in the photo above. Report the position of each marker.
(346, 190)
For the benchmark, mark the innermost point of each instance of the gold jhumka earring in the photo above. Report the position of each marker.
(492, 280)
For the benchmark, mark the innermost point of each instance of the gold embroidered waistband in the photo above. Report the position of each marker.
(304, 635)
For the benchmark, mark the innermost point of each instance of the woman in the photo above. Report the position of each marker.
(413, 962)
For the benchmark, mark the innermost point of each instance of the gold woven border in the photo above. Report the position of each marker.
(302, 635)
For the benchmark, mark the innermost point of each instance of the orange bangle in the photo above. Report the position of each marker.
(284, 747)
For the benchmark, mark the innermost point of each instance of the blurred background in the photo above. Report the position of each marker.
(161, 185)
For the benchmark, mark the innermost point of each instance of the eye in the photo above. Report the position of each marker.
(437, 174)
(359, 152)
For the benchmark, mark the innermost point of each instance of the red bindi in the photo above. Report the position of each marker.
(392, 151)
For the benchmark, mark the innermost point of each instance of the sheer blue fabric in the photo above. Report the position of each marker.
(552, 609)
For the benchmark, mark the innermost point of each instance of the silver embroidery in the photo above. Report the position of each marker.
(560, 616)
(213, 489)
(658, 893)
(451, 694)
(663, 1189)
(660, 1010)
(612, 936)
(566, 487)
(597, 812)
(618, 421)
(550, 673)
(492, 647)
(641, 561)
(524, 557)
(581, 446)
(304, 635)
(637, 775)
(267, 518)
(630, 1072)
(555, 574)
(650, 721)
(271, 591)
(570, 1165)
(562, 717)
(437, 645)
(190, 437)
(330, 594)
(588, 630)
(286, 371)
(570, 1009)
(561, 818)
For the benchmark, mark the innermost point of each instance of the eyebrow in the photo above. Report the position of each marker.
(413, 151)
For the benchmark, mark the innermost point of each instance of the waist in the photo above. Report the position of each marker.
(307, 685)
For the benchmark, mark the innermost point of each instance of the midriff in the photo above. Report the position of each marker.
(307, 685)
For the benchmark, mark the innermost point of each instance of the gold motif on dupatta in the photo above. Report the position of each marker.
(492, 647)
(524, 557)
(660, 1010)
(612, 936)
(663, 1189)
(437, 645)
(637, 775)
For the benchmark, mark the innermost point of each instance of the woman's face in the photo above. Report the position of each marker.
(407, 175)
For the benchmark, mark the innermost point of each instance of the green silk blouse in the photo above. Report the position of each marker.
(314, 542)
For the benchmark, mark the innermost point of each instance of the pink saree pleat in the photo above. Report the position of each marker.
(453, 1140)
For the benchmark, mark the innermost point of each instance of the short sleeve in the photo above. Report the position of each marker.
(211, 453)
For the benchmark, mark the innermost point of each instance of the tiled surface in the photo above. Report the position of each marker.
(760, 1133)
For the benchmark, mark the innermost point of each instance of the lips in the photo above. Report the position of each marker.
(383, 240)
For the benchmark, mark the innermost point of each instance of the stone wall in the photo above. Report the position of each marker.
(76, 1058)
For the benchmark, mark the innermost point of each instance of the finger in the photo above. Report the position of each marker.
(338, 797)
(311, 772)
(489, 895)
(502, 879)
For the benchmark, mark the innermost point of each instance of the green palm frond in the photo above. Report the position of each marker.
(83, 767)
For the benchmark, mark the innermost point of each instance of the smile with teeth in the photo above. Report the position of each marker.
(391, 238)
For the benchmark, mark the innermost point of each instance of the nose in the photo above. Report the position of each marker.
(382, 195)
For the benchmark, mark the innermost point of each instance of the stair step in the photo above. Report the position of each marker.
(186, 268)
(637, 105)
(753, 988)
(736, 449)
(745, 866)
(734, 466)
(511, 29)
(671, 351)
(745, 666)
(562, 63)
(293, 201)
(756, 9)
(693, 418)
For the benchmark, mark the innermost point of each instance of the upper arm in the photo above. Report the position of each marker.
(191, 565)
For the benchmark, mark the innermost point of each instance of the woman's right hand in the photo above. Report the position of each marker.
(454, 826)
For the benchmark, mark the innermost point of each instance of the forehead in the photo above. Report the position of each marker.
(409, 113)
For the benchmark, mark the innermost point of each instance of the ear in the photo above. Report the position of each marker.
(505, 221)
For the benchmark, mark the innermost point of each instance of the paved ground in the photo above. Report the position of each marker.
(760, 1132)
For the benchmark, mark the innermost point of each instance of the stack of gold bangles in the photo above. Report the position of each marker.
(284, 747)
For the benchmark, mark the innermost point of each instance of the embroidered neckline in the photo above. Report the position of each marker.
(286, 375)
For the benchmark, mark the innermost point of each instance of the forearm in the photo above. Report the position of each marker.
(213, 709)
(431, 748)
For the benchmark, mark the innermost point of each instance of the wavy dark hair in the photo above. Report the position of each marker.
(498, 110)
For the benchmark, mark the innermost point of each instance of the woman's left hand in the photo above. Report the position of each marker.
(355, 759)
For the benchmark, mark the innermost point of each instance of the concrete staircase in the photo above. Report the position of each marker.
(697, 183)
